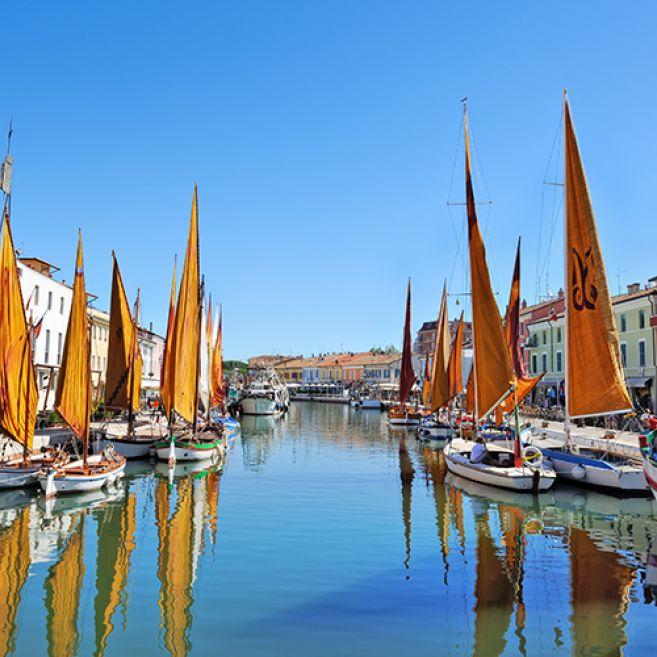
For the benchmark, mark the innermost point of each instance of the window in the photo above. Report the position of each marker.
(36, 295)
(558, 334)
(624, 354)
(61, 305)
(534, 364)
(544, 337)
(544, 362)
(46, 356)
(642, 319)
(558, 361)
(49, 300)
(60, 339)
(623, 323)
(93, 362)
(93, 330)
(642, 353)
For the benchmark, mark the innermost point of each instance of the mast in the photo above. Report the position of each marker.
(198, 352)
(135, 349)
(566, 416)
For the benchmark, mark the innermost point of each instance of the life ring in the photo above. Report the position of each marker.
(532, 456)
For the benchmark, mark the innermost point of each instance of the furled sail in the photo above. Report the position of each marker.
(407, 376)
(594, 371)
(166, 375)
(124, 362)
(187, 325)
(493, 374)
(454, 366)
(217, 366)
(73, 397)
(440, 393)
(18, 389)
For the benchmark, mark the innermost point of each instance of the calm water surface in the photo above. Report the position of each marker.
(326, 534)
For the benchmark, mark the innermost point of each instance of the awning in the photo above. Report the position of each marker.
(549, 381)
(638, 381)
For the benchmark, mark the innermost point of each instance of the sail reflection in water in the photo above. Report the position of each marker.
(337, 536)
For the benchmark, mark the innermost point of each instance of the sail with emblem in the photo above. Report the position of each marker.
(440, 392)
(124, 362)
(493, 375)
(594, 371)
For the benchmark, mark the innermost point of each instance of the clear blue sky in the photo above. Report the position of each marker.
(323, 137)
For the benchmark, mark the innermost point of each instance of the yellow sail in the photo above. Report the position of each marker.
(73, 397)
(15, 567)
(116, 541)
(175, 564)
(439, 375)
(18, 389)
(594, 370)
(217, 367)
(454, 373)
(63, 586)
(493, 374)
(124, 362)
(186, 332)
(166, 375)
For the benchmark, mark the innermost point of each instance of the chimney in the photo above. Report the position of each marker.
(632, 288)
(652, 282)
(150, 326)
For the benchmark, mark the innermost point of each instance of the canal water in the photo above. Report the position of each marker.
(326, 534)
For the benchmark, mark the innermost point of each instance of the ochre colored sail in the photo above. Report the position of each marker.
(524, 386)
(469, 401)
(18, 390)
(407, 376)
(426, 382)
(454, 365)
(116, 541)
(493, 373)
(217, 367)
(124, 363)
(594, 374)
(166, 375)
(15, 567)
(186, 332)
(63, 586)
(73, 397)
(512, 320)
(175, 567)
(596, 597)
(209, 341)
(439, 375)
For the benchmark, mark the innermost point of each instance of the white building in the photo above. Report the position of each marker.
(49, 299)
(152, 353)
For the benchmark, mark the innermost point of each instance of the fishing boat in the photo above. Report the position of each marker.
(402, 415)
(191, 437)
(594, 382)
(492, 377)
(124, 370)
(265, 395)
(73, 403)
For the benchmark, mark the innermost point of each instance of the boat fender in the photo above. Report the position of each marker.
(51, 489)
(578, 472)
(532, 456)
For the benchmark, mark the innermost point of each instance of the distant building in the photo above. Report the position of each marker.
(266, 360)
(425, 339)
(99, 328)
(152, 352)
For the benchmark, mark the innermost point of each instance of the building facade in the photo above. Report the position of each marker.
(151, 346)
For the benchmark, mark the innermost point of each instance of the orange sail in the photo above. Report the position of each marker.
(217, 367)
(594, 371)
(73, 397)
(209, 337)
(440, 393)
(470, 393)
(454, 365)
(187, 328)
(407, 376)
(166, 375)
(493, 374)
(124, 362)
(18, 389)
(426, 381)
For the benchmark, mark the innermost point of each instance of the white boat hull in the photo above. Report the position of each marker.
(131, 448)
(435, 433)
(17, 476)
(519, 479)
(182, 452)
(405, 421)
(650, 471)
(260, 406)
(59, 481)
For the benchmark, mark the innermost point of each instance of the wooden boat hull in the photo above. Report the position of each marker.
(63, 480)
(597, 473)
(184, 450)
(518, 479)
(14, 475)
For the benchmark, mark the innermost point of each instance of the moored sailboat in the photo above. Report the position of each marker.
(594, 382)
(73, 403)
(188, 440)
(492, 378)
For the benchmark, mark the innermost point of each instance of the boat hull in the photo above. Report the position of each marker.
(518, 479)
(187, 451)
(435, 433)
(14, 475)
(61, 481)
(650, 471)
(260, 406)
(132, 448)
(597, 473)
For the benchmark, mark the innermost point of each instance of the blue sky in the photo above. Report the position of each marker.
(323, 137)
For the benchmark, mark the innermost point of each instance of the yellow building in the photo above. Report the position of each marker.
(99, 327)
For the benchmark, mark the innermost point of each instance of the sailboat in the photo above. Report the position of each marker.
(73, 403)
(217, 396)
(124, 370)
(184, 378)
(493, 377)
(401, 415)
(594, 382)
